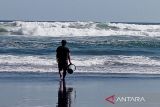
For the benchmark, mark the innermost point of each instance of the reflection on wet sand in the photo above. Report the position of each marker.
(64, 95)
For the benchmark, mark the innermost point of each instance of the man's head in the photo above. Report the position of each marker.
(63, 42)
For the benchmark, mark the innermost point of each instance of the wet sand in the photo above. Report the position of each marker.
(78, 90)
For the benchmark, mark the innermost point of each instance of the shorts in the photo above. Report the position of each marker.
(63, 66)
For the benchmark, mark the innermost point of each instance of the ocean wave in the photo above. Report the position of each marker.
(69, 29)
(81, 45)
(104, 64)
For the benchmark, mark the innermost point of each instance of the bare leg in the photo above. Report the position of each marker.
(64, 74)
(60, 74)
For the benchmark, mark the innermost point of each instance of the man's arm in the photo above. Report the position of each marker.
(57, 58)
(69, 58)
(57, 55)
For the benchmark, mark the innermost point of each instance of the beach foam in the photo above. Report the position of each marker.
(97, 64)
(70, 29)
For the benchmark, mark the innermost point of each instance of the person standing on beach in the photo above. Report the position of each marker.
(63, 56)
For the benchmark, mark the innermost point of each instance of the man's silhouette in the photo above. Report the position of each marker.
(63, 56)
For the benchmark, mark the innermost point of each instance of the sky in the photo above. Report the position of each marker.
(81, 10)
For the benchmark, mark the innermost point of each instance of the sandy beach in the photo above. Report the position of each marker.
(78, 90)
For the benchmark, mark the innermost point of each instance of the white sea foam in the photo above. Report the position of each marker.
(70, 29)
(105, 64)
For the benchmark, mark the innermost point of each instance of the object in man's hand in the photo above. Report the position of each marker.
(71, 68)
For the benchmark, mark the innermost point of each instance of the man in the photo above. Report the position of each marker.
(63, 56)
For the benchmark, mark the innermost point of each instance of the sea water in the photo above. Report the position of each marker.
(111, 59)
(96, 47)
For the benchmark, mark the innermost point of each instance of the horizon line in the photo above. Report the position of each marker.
(127, 22)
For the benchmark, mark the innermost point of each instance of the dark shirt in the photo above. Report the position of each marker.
(62, 53)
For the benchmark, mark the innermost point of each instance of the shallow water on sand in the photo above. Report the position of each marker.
(79, 90)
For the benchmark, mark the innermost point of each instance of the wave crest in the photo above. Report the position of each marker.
(104, 64)
(78, 29)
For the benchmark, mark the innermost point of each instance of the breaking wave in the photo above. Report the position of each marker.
(97, 64)
(68, 29)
